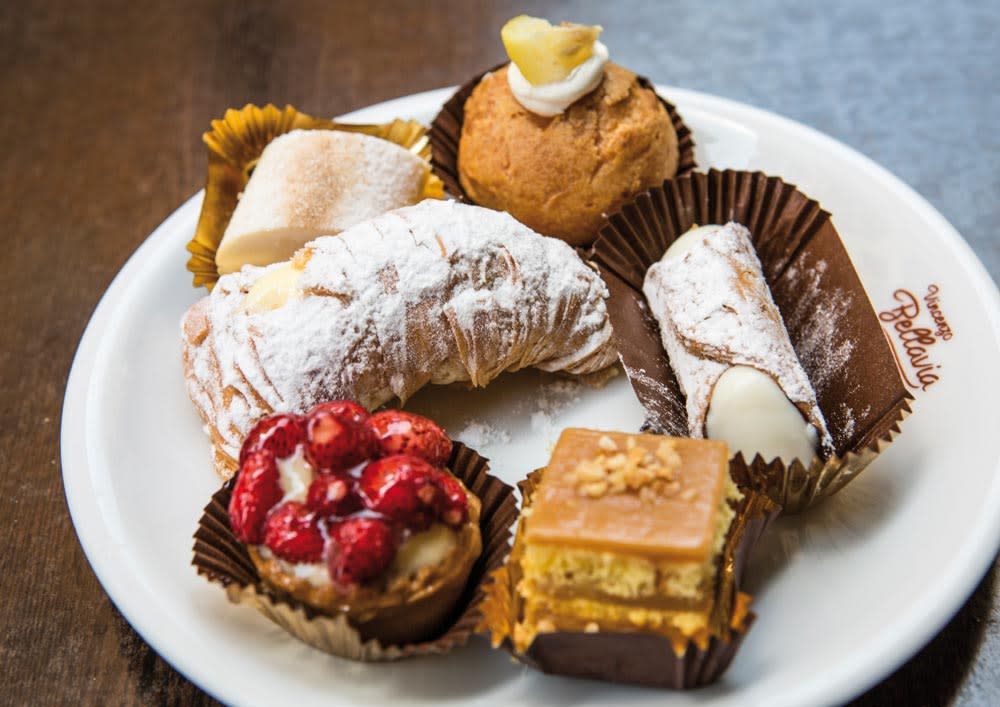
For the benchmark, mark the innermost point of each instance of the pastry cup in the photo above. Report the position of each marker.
(636, 658)
(833, 327)
(446, 614)
(446, 131)
(235, 143)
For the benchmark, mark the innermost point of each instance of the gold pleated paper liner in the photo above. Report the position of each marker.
(235, 143)
(848, 360)
(627, 657)
(222, 559)
(446, 131)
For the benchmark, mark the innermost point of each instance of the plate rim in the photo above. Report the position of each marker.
(848, 678)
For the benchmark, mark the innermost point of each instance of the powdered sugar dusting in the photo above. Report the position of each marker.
(552, 399)
(476, 434)
(434, 293)
(715, 311)
(816, 314)
(326, 181)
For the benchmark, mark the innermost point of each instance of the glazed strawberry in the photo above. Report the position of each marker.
(344, 407)
(405, 433)
(359, 549)
(279, 434)
(256, 491)
(336, 439)
(292, 533)
(400, 487)
(333, 494)
(453, 503)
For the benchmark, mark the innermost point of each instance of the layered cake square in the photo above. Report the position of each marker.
(626, 533)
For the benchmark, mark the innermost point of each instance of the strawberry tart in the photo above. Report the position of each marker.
(356, 514)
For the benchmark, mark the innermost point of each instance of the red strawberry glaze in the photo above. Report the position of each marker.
(334, 494)
(399, 487)
(344, 407)
(359, 549)
(336, 439)
(453, 503)
(352, 520)
(292, 533)
(256, 491)
(278, 434)
(405, 433)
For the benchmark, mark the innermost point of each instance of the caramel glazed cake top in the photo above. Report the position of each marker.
(626, 532)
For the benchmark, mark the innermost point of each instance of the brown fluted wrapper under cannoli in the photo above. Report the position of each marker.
(221, 558)
(635, 657)
(234, 145)
(446, 131)
(830, 320)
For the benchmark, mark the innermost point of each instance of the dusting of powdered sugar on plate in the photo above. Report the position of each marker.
(554, 397)
(478, 434)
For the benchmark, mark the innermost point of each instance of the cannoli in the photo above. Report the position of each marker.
(434, 293)
(728, 346)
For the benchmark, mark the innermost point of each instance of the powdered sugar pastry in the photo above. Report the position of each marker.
(433, 293)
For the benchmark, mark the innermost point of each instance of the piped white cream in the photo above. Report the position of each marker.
(550, 99)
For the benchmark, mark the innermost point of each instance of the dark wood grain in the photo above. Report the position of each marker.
(104, 104)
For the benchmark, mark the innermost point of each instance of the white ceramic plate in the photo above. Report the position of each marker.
(844, 594)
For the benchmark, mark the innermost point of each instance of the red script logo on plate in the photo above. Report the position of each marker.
(915, 335)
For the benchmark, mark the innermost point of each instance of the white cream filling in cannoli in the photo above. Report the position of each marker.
(737, 389)
(750, 413)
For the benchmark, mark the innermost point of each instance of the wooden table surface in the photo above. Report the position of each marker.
(104, 106)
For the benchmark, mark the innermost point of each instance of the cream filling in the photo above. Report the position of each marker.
(272, 289)
(689, 240)
(316, 573)
(549, 99)
(424, 549)
(294, 476)
(750, 412)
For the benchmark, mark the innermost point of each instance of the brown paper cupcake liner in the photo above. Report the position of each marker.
(235, 143)
(830, 320)
(636, 658)
(446, 130)
(221, 558)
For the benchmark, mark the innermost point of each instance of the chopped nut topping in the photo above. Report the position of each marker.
(594, 489)
(650, 474)
(667, 454)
